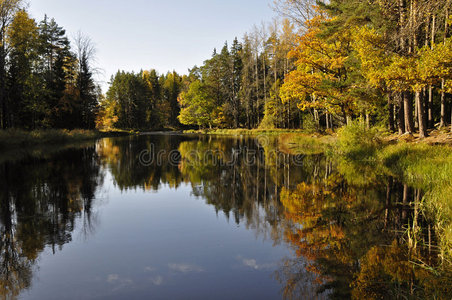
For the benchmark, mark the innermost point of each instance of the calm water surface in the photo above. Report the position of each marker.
(180, 217)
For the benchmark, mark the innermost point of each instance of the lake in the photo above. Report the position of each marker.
(196, 217)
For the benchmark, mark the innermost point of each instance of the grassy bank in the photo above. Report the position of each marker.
(11, 139)
(418, 164)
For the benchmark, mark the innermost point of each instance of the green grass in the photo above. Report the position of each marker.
(13, 138)
(247, 132)
(419, 164)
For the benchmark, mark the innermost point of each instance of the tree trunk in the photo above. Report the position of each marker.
(288, 114)
(3, 103)
(348, 120)
(430, 88)
(421, 115)
(327, 117)
(416, 112)
(265, 79)
(430, 107)
(300, 119)
(402, 12)
(408, 112)
(257, 91)
(391, 114)
(388, 201)
(316, 118)
(443, 96)
(443, 105)
(405, 203)
(401, 116)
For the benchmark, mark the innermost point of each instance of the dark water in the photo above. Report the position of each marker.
(206, 218)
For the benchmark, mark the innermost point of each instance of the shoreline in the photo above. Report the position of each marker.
(436, 137)
(290, 139)
(17, 139)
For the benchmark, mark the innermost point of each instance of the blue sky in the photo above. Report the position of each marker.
(143, 34)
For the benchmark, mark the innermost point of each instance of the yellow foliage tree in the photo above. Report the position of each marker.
(320, 81)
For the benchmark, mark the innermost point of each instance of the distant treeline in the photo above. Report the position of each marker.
(144, 100)
(237, 87)
(232, 89)
(45, 82)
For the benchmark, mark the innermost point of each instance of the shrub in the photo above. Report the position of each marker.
(357, 142)
(309, 124)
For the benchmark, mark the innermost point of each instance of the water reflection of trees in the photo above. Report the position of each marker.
(351, 229)
(359, 240)
(41, 200)
(241, 183)
(121, 157)
(247, 193)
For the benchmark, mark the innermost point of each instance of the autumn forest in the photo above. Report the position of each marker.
(320, 66)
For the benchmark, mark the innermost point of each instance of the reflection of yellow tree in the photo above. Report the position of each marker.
(108, 151)
(313, 236)
(380, 266)
(339, 231)
(390, 272)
